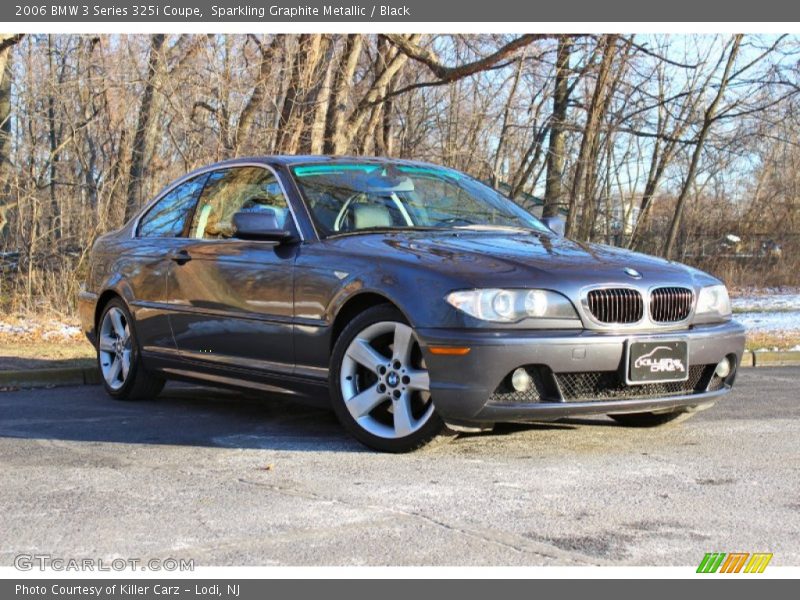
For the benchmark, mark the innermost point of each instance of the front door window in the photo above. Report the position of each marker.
(233, 190)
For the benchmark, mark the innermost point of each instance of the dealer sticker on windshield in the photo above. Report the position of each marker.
(658, 362)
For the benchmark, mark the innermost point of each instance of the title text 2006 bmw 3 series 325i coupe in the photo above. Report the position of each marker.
(416, 295)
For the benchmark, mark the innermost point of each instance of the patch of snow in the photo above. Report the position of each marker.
(17, 329)
(63, 331)
(767, 303)
(48, 330)
(768, 310)
(769, 321)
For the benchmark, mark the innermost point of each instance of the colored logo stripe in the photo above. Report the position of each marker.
(734, 562)
(711, 562)
(758, 562)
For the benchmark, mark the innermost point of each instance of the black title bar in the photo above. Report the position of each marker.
(442, 11)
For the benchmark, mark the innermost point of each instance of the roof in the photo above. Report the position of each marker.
(295, 159)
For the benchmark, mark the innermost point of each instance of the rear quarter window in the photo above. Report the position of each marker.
(168, 217)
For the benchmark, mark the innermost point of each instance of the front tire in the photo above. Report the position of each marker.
(118, 357)
(379, 385)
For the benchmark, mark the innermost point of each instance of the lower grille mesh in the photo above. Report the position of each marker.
(601, 386)
(716, 383)
(608, 385)
(538, 392)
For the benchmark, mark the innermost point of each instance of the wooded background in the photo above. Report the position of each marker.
(682, 146)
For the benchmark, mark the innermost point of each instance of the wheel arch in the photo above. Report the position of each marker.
(355, 305)
(105, 297)
(102, 301)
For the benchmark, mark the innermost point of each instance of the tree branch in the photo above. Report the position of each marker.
(448, 74)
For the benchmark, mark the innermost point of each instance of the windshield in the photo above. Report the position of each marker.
(355, 197)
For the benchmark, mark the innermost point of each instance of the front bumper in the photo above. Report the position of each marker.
(87, 304)
(577, 372)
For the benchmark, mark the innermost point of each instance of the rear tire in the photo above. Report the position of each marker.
(379, 386)
(649, 419)
(119, 359)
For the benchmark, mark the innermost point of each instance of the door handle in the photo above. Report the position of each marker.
(180, 256)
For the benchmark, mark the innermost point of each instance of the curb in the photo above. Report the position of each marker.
(773, 359)
(33, 378)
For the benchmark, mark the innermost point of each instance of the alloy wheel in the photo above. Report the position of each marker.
(114, 346)
(384, 382)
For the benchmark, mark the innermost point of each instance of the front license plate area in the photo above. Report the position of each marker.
(657, 362)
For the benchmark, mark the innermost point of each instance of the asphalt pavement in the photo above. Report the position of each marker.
(228, 479)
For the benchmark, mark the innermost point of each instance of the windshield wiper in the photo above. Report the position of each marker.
(494, 228)
(366, 230)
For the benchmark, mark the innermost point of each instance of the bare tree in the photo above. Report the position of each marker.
(7, 43)
(335, 141)
(606, 49)
(553, 194)
(260, 92)
(696, 134)
(504, 130)
(709, 116)
(162, 62)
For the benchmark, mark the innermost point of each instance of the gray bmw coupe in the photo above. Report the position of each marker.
(417, 297)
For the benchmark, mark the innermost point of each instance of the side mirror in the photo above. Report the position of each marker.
(259, 225)
(556, 224)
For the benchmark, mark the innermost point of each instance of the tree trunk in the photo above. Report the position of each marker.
(295, 104)
(375, 94)
(501, 142)
(369, 135)
(53, 137)
(322, 102)
(605, 96)
(553, 195)
(708, 120)
(143, 140)
(337, 109)
(529, 162)
(7, 42)
(259, 93)
(590, 131)
(664, 151)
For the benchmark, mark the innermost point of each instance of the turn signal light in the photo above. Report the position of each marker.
(449, 350)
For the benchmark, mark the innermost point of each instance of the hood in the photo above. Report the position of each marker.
(500, 259)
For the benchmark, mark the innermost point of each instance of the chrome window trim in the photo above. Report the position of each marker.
(299, 194)
(203, 171)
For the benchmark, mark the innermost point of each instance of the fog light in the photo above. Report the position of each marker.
(520, 380)
(723, 368)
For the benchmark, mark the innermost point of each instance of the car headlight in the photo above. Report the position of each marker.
(510, 306)
(713, 305)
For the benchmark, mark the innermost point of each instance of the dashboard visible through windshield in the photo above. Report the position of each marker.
(358, 197)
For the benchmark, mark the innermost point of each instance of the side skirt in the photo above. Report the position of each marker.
(304, 389)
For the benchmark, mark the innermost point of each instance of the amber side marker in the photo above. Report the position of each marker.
(449, 350)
